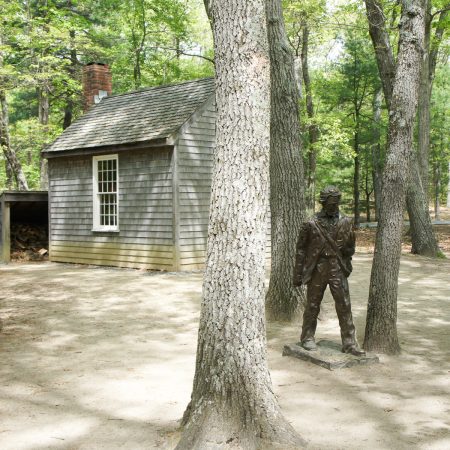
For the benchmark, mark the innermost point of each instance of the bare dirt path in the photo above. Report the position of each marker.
(95, 358)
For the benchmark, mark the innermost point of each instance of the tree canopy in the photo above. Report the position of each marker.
(45, 43)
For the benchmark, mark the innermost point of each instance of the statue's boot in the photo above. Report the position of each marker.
(354, 350)
(309, 344)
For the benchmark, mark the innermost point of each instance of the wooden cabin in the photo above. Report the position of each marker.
(130, 180)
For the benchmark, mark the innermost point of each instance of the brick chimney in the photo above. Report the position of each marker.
(97, 83)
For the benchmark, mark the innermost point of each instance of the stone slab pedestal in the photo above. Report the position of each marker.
(329, 355)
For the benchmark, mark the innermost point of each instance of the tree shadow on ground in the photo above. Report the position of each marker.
(94, 358)
(104, 358)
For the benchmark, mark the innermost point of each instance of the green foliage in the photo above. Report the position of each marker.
(439, 130)
(45, 43)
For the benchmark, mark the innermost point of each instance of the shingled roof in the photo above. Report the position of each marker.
(137, 116)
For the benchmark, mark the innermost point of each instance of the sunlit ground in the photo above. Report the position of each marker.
(95, 358)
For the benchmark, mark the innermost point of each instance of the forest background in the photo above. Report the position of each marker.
(45, 43)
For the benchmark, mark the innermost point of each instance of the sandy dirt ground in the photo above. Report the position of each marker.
(99, 358)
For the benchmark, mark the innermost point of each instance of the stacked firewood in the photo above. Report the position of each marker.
(29, 242)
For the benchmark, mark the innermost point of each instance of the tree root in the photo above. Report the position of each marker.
(213, 428)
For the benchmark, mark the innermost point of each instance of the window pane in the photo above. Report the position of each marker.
(107, 192)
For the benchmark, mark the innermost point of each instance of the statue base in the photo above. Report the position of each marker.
(329, 355)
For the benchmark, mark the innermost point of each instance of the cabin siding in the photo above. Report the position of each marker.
(164, 201)
(145, 236)
(195, 155)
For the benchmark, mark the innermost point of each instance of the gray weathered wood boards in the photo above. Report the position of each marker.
(164, 186)
(164, 179)
(145, 236)
(5, 232)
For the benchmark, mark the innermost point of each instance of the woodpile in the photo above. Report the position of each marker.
(29, 242)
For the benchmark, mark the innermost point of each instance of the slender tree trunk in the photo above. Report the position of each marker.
(448, 187)
(381, 44)
(13, 168)
(387, 67)
(313, 130)
(68, 110)
(43, 111)
(381, 324)
(232, 403)
(366, 188)
(283, 299)
(437, 191)
(377, 158)
(12, 162)
(423, 110)
(356, 175)
(422, 236)
(68, 113)
(299, 75)
(9, 174)
(428, 69)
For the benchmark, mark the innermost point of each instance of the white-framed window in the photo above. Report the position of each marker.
(106, 193)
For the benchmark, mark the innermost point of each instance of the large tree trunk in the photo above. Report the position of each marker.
(12, 162)
(422, 236)
(232, 403)
(381, 324)
(287, 206)
(387, 68)
(313, 130)
(377, 159)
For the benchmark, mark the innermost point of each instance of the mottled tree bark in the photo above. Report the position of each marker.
(377, 159)
(367, 191)
(356, 174)
(313, 130)
(428, 69)
(68, 109)
(381, 324)
(381, 44)
(423, 110)
(437, 191)
(421, 229)
(232, 403)
(12, 162)
(287, 206)
(43, 111)
(13, 168)
(387, 68)
(9, 175)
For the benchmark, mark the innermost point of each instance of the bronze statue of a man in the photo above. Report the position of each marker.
(324, 253)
